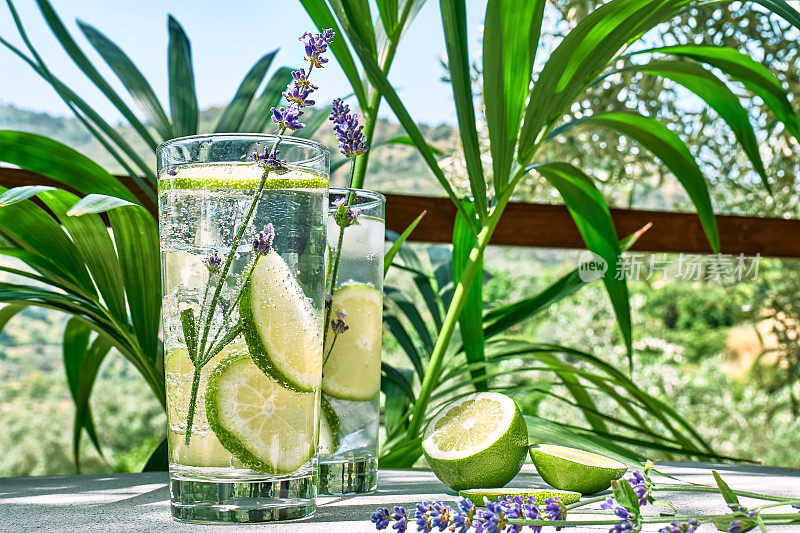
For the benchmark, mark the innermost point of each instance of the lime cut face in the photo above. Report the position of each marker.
(576, 470)
(268, 427)
(478, 441)
(352, 369)
(282, 329)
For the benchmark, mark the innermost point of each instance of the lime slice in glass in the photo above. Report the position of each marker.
(280, 326)
(268, 427)
(328, 428)
(476, 496)
(237, 176)
(477, 441)
(572, 469)
(352, 369)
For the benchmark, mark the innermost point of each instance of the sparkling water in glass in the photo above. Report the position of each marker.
(243, 330)
(351, 373)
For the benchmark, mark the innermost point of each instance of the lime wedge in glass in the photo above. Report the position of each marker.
(477, 441)
(268, 427)
(572, 469)
(231, 176)
(280, 326)
(328, 428)
(352, 369)
(204, 450)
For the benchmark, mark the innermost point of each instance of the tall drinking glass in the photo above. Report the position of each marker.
(351, 372)
(243, 269)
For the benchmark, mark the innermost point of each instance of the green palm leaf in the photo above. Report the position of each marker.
(258, 116)
(130, 76)
(182, 93)
(511, 36)
(235, 112)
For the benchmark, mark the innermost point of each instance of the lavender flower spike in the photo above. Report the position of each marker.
(337, 324)
(349, 133)
(270, 161)
(262, 244)
(288, 117)
(344, 215)
(381, 518)
(316, 45)
(213, 263)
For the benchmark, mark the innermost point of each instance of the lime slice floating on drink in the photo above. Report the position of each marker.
(268, 427)
(476, 496)
(280, 326)
(190, 179)
(204, 449)
(477, 441)
(352, 369)
(572, 469)
(328, 428)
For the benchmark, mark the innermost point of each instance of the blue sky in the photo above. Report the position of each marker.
(227, 38)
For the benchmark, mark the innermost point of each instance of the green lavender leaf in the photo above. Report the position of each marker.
(223, 342)
(625, 495)
(190, 333)
(725, 490)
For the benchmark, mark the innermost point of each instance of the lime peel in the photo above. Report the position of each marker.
(575, 470)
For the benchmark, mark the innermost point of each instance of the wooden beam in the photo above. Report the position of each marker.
(551, 226)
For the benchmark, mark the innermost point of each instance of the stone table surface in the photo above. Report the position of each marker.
(140, 502)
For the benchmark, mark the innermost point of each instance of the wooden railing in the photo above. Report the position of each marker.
(550, 226)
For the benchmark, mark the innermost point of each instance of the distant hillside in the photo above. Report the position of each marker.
(393, 168)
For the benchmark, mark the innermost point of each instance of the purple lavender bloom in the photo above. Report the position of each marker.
(338, 325)
(347, 130)
(213, 263)
(421, 515)
(381, 518)
(639, 485)
(623, 525)
(554, 509)
(288, 117)
(300, 80)
(490, 519)
(399, 517)
(735, 507)
(262, 244)
(316, 45)
(462, 521)
(328, 299)
(172, 171)
(270, 161)
(441, 515)
(735, 526)
(796, 506)
(344, 215)
(298, 95)
(680, 527)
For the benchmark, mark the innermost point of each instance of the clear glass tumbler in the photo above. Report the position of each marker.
(243, 267)
(351, 372)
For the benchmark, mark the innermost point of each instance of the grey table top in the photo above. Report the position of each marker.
(140, 502)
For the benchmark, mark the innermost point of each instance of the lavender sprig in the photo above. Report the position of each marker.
(681, 527)
(627, 518)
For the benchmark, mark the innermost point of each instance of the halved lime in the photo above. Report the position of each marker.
(328, 428)
(477, 441)
(476, 496)
(204, 449)
(352, 370)
(269, 428)
(573, 469)
(280, 326)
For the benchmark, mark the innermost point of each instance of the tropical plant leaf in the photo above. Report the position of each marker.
(405, 140)
(182, 94)
(784, 9)
(454, 22)
(323, 19)
(236, 110)
(22, 193)
(593, 220)
(387, 10)
(471, 319)
(81, 362)
(159, 459)
(258, 115)
(73, 50)
(741, 67)
(501, 318)
(718, 96)
(667, 146)
(130, 76)
(355, 16)
(580, 57)
(412, 314)
(402, 337)
(313, 123)
(397, 242)
(397, 401)
(511, 36)
(389, 373)
(9, 311)
(98, 203)
(59, 162)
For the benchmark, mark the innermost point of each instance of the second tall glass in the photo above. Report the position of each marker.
(351, 372)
